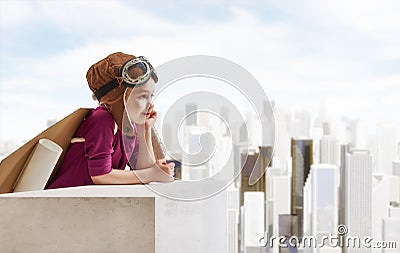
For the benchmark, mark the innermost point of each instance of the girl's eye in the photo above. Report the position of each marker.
(145, 96)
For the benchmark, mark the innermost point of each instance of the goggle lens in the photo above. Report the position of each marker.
(137, 70)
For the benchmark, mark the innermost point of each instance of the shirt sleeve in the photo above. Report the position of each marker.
(99, 138)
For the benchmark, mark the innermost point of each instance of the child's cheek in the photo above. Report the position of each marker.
(142, 105)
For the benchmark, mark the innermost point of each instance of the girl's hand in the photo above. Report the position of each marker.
(150, 118)
(161, 171)
(168, 168)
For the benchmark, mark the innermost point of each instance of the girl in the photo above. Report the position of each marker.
(118, 130)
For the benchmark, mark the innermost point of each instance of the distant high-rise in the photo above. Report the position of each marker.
(224, 113)
(282, 137)
(270, 200)
(238, 149)
(316, 134)
(302, 121)
(278, 204)
(302, 159)
(268, 124)
(398, 150)
(321, 201)
(327, 128)
(265, 161)
(195, 162)
(257, 162)
(287, 227)
(391, 233)
(380, 205)
(387, 148)
(396, 168)
(243, 133)
(248, 162)
(395, 184)
(344, 149)
(190, 113)
(358, 196)
(253, 219)
(232, 219)
(329, 150)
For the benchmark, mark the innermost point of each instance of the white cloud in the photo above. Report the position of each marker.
(102, 19)
(15, 13)
(296, 75)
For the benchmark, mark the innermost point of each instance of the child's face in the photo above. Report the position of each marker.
(137, 101)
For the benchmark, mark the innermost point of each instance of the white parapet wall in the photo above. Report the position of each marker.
(77, 224)
(115, 218)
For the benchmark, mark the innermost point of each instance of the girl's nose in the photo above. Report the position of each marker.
(149, 106)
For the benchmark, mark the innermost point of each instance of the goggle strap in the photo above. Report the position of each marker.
(120, 80)
(154, 76)
(106, 88)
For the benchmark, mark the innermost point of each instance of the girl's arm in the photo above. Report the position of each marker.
(146, 154)
(159, 172)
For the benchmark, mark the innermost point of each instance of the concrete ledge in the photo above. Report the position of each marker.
(77, 224)
(180, 226)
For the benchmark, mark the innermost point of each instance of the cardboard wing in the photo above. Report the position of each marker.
(61, 133)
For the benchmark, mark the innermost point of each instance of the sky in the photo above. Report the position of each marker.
(344, 55)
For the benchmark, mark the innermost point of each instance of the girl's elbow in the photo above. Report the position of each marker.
(96, 179)
(101, 179)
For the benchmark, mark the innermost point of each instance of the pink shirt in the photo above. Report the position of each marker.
(102, 151)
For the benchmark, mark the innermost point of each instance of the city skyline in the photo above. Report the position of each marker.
(267, 208)
(330, 72)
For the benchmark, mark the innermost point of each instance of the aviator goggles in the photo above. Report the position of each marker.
(132, 73)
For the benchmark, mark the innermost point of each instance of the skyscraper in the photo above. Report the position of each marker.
(396, 168)
(358, 196)
(329, 150)
(269, 196)
(232, 219)
(282, 137)
(344, 149)
(302, 121)
(386, 148)
(253, 220)
(198, 166)
(380, 205)
(395, 184)
(321, 201)
(190, 113)
(248, 162)
(280, 205)
(398, 150)
(316, 134)
(302, 159)
(390, 230)
(257, 162)
(287, 227)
